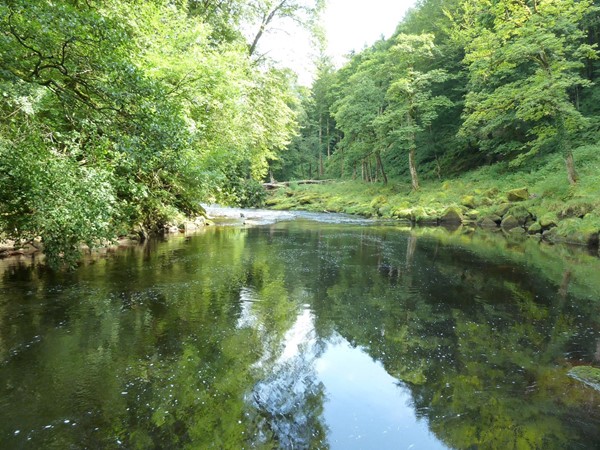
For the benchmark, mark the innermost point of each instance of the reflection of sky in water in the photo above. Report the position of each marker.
(365, 407)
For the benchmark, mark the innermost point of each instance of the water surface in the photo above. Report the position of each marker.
(303, 331)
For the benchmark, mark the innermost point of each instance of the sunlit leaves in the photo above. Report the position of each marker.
(143, 93)
(524, 61)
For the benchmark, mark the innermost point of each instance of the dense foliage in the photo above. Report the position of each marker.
(125, 115)
(461, 83)
(118, 114)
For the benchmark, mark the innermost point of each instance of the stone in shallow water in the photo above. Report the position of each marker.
(586, 374)
(451, 215)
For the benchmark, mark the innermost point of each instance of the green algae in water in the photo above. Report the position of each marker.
(586, 374)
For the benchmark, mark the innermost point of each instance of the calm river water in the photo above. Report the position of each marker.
(299, 331)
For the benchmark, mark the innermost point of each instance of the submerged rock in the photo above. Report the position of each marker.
(586, 374)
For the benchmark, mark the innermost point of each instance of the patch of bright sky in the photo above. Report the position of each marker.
(356, 24)
(350, 25)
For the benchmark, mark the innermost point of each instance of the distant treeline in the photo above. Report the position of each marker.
(461, 83)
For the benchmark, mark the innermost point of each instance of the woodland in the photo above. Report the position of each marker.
(124, 116)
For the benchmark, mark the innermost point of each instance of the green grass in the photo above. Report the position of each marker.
(477, 194)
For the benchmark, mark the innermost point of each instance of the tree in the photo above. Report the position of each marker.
(127, 115)
(412, 106)
(362, 101)
(524, 60)
(263, 14)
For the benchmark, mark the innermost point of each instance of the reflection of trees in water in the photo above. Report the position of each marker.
(476, 342)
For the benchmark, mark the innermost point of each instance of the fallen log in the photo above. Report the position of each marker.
(281, 184)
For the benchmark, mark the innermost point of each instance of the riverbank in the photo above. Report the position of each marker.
(25, 251)
(539, 203)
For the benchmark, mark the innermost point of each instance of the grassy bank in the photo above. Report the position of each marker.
(537, 200)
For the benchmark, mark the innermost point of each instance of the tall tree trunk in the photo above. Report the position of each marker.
(376, 177)
(342, 163)
(321, 146)
(565, 148)
(438, 168)
(571, 173)
(413, 168)
(385, 180)
(328, 140)
(412, 165)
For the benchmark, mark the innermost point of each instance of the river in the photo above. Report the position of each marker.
(298, 330)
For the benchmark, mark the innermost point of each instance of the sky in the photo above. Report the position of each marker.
(352, 24)
(349, 25)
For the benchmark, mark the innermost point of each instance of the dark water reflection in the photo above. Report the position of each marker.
(304, 334)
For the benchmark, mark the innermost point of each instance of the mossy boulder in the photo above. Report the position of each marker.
(548, 220)
(468, 201)
(487, 222)
(586, 374)
(575, 210)
(517, 230)
(575, 231)
(534, 228)
(492, 192)
(451, 214)
(424, 215)
(521, 214)
(509, 222)
(472, 215)
(517, 195)
(403, 214)
(501, 209)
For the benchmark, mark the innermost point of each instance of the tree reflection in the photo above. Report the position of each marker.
(212, 342)
(476, 342)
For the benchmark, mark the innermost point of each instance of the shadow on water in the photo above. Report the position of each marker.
(304, 332)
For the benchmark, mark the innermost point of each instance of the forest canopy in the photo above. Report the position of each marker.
(460, 84)
(126, 115)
